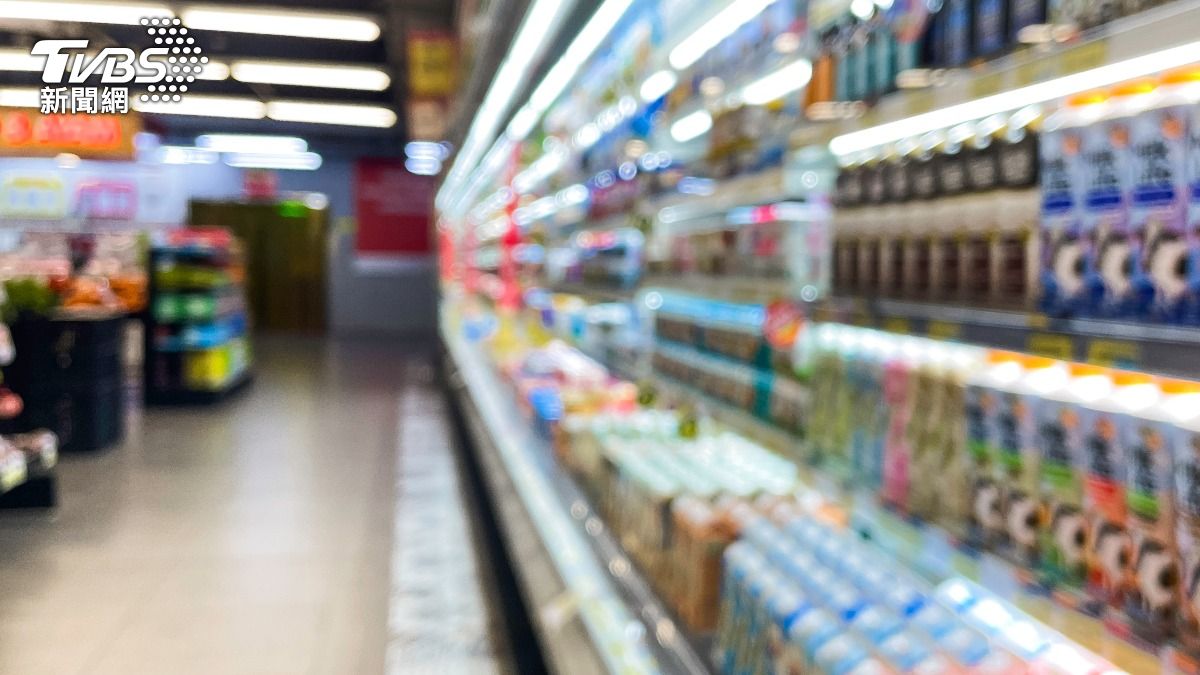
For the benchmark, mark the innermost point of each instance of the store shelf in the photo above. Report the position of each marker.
(582, 589)
(1153, 30)
(604, 294)
(1163, 349)
(731, 289)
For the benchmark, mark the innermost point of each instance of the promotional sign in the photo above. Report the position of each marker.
(25, 132)
(35, 195)
(427, 120)
(432, 64)
(393, 208)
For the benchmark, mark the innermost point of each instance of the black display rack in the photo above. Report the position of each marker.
(196, 339)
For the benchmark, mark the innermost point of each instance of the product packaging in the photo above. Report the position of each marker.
(1108, 194)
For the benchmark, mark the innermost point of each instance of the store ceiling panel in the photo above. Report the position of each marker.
(263, 62)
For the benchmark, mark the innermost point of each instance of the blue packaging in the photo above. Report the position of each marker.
(840, 655)
(905, 650)
(877, 624)
(1108, 188)
(958, 29)
(1069, 283)
(991, 27)
(1022, 13)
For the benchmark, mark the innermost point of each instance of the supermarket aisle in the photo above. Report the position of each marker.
(279, 533)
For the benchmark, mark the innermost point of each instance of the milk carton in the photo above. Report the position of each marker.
(1069, 283)
(1183, 411)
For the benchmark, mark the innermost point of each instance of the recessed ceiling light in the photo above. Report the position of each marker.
(332, 113)
(333, 76)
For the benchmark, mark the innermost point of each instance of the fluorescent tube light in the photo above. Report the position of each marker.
(1042, 92)
(206, 106)
(331, 113)
(788, 79)
(13, 97)
(20, 60)
(423, 149)
(594, 32)
(692, 126)
(214, 70)
(251, 143)
(726, 22)
(296, 161)
(332, 76)
(531, 40)
(126, 13)
(657, 85)
(309, 24)
(423, 166)
(182, 154)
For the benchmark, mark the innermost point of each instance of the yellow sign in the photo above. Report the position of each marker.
(1114, 353)
(1051, 345)
(432, 64)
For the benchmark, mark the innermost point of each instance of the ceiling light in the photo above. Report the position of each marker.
(214, 70)
(332, 113)
(540, 23)
(207, 106)
(182, 154)
(296, 161)
(19, 98)
(251, 143)
(657, 85)
(369, 78)
(21, 60)
(786, 80)
(423, 149)
(324, 25)
(586, 137)
(1050, 90)
(127, 13)
(692, 126)
(423, 166)
(726, 22)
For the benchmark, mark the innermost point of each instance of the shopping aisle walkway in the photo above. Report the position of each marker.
(280, 533)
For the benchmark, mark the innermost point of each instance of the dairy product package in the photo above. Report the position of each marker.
(1184, 415)
(1068, 279)
(1151, 596)
(1108, 187)
(1064, 540)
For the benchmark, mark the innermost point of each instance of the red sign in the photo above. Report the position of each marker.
(393, 207)
(27, 132)
(260, 184)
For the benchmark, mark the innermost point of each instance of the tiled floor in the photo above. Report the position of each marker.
(308, 526)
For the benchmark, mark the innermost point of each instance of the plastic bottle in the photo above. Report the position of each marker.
(1069, 283)
(991, 27)
(1061, 439)
(898, 399)
(1015, 203)
(997, 376)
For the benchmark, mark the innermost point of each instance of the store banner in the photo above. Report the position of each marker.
(26, 132)
(394, 208)
(432, 63)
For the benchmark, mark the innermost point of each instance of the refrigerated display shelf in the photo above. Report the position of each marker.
(580, 586)
(1169, 350)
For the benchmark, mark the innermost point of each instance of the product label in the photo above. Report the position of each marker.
(1148, 458)
(875, 184)
(898, 180)
(850, 187)
(982, 169)
(924, 179)
(952, 173)
(1019, 161)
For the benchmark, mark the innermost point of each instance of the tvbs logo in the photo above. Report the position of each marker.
(166, 69)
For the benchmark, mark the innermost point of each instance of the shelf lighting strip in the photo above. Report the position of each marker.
(1014, 99)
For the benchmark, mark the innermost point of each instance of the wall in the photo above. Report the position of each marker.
(381, 296)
